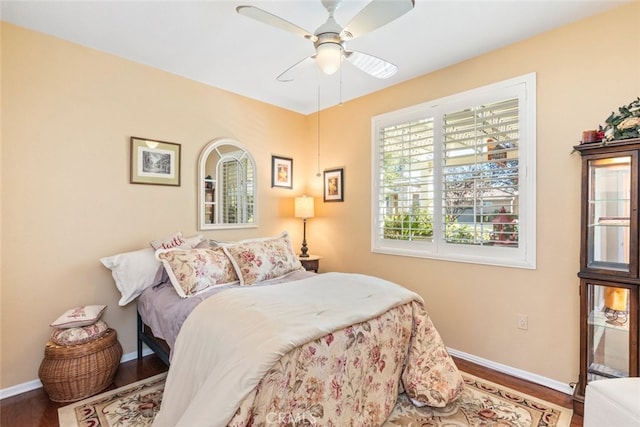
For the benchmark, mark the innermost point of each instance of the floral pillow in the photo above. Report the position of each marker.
(256, 260)
(195, 270)
(79, 335)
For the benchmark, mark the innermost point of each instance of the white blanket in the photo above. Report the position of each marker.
(233, 338)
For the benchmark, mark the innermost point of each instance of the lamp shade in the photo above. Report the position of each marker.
(329, 57)
(304, 207)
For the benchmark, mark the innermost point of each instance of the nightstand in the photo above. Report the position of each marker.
(310, 263)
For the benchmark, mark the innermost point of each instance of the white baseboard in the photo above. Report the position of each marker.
(35, 384)
(515, 372)
(20, 388)
(538, 379)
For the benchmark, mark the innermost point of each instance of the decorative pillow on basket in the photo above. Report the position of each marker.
(256, 260)
(79, 335)
(192, 271)
(79, 316)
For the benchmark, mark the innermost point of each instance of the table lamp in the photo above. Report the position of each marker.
(304, 210)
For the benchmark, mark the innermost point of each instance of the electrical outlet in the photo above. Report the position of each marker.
(523, 321)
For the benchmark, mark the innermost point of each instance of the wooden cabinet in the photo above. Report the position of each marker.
(609, 258)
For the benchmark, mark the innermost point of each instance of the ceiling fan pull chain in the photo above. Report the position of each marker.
(318, 118)
(340, 100)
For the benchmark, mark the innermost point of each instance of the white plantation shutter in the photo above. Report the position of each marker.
(480, 174)
(230, 183)
(405, 200)
(454, 178)
(236, 204)
(250, 203)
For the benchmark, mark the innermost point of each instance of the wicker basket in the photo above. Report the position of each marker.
(73, 372)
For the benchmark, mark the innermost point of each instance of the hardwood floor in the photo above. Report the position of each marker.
(34, 408)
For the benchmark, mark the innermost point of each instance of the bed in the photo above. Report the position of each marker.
(161, 312)
(280, 346)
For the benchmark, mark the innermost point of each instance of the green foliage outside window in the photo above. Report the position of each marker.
(462, 233)
(417, 225)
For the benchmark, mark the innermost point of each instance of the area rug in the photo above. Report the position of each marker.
(485, 404)
(482, 403)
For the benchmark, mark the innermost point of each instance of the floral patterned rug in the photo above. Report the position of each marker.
(134, 405)
(485, 404)
(482, 403)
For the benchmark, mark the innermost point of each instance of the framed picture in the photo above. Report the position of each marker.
(281, 172)
(154, 162)
(334, 185)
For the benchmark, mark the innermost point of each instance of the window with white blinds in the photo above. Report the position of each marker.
(405, 200)
(454, 178)
(480, 174)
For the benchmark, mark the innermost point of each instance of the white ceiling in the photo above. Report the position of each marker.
(209, 42)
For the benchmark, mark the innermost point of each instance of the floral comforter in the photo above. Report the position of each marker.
(332, 350)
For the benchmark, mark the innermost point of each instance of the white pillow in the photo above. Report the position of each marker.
(198, 241)
(134, 272)
(79, 316)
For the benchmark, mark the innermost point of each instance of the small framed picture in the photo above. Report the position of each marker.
(281, 172)
(154, 162)
(334, 185)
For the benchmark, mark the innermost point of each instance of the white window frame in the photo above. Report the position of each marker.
(524, 256)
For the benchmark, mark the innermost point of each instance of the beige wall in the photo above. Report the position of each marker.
(584, 71)
(67, 114)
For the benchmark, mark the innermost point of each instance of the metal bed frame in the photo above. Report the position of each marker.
(157, 345)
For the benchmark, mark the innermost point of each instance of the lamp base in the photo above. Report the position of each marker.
(304, 249)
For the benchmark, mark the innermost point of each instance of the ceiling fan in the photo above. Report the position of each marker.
(330, 38)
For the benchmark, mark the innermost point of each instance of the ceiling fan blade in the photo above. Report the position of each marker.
(375, 15)
(370, 64)
(290, 73)
(273, 20)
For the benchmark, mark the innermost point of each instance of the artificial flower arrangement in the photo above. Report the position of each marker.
(624, 124)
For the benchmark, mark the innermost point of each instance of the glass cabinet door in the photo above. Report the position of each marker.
(609, 214)
(608, 331)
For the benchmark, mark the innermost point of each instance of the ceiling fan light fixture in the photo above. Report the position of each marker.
(329, 57)
(329, 38)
